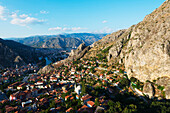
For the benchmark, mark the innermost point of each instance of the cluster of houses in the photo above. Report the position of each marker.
(38, 90)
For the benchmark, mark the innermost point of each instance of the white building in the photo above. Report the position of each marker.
(77, 89)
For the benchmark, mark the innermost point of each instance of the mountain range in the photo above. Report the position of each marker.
(60, 41)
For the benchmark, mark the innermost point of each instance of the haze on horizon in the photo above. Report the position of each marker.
(21, 18)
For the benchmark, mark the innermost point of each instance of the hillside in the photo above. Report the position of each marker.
(74, 39)
(62, 43)
(13, 53)
(143, 49)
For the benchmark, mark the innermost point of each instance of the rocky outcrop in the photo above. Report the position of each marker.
(164, 81)
(144, 49)
(117, 52)
(109, 38)
(148, 50)
(79, 52)
(46, 69)
(148, 89)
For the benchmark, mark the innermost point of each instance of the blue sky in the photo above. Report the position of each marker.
(21, 18)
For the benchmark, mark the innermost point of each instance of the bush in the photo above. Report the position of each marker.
(133, 79)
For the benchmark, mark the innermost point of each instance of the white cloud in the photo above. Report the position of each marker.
(55, 29)
(104, 21)
(24, 20)
(105, 30)
(2, 13)
(23, 16)
(44, 12)
(66, 29)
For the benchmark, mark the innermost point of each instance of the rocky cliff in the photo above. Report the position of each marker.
(78, 53)
(144, 49)
(148, 50)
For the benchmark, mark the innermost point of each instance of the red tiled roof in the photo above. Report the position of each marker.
(84, 106)
(68, 110)
(91, 103)
(86, 97)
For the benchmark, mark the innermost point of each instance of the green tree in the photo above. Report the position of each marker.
(97, 102)
(133, 79)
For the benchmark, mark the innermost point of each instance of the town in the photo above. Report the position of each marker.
(85, 85)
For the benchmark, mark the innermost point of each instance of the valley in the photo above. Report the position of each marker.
(127, 71)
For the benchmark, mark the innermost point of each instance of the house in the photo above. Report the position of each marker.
(104, 81)
(73, 71)
(90, 103)
(53, 79)
(86, 98)
(77, 96)
(58, 75)
(19, 87)
(40, 83)
(12, 97)
(26, 103)
(101, 76)
(110, 79)
(68, 110)
(84, 107)
(66, 97)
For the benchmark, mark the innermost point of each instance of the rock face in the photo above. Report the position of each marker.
(46, 69)
(148, 50)
(144, 49)
(79, 52)
(118, 49)
(164, 81)
(148, 89)
(109, 38)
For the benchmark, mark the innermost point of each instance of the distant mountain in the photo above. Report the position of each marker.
(12, 53)
(60, 41)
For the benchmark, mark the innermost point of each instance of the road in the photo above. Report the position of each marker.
(139, 95)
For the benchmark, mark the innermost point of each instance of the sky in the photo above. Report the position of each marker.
(22, 18)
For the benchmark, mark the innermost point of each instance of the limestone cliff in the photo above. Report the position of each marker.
(148, 50)
(79, 52)
(144, 49)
